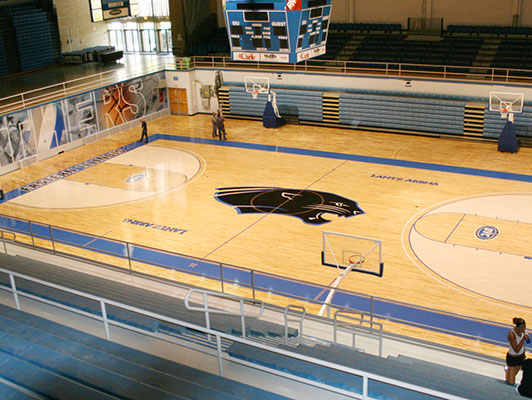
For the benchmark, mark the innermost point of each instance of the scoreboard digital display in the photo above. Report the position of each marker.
(104, 10)
(283, 31)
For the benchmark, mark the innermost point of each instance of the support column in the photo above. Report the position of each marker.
(516, 12)
(179, 28)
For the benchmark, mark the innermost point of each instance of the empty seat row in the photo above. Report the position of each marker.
(387, 48)
(362, 27)
(489, 30)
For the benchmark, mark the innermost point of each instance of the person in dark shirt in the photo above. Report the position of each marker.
(144, 131)
(525, 388)
(221, 125)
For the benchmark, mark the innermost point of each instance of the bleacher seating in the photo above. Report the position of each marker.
(127, 295)
(335, 43)
(494, 124)
(307, 103)
(30, 36)
(366, 27)
(217, 44)
(42, 358)
(405, 113)
(514, 53)
(361, 110)
(397, 49)
(9, 54)
(418, 372)
(489, 30)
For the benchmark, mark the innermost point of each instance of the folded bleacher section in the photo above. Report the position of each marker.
(306, 105)
(494, 124)
(357, 110)
(405, 113)
(9, 59)
(382, 111)
(30, 38)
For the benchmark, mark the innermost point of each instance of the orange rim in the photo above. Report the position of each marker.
(354, 259)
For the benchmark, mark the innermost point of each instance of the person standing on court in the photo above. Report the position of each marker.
(221, 125)
(144, 131)
(214, 124)
(516, 350)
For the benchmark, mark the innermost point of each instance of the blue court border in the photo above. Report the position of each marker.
(387, 309)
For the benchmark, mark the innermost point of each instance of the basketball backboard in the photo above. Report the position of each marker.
(343, 251)
(507, 104)
(256, 85)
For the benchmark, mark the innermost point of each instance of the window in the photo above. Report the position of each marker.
(148, 34)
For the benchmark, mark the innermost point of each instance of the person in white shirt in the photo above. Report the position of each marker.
(516, 349)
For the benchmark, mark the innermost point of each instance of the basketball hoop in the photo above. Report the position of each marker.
(504, 112)
(355, 261)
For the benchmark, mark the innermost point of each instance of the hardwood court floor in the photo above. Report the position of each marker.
(426, 212)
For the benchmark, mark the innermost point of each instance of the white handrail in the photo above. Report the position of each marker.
(369, 298)
(219, 335)
(208, 310)
(345, 67)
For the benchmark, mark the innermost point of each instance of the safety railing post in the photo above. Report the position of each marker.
(14, 288)
(31, 233)
(222, 278)
(242, 319)
(207, 315)
(219, 352)
(371, 304)
(129, 258)
(253, 284)
(104, 317)
(364, 387)
(52, 238)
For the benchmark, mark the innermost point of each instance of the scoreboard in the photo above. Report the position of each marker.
(282, 31)
(104, 10)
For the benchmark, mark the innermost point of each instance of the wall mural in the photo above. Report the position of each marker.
(37, 130)
(123, 102)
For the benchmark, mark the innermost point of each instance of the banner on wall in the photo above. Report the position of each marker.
(127, 101)
(15, 137)
(49, 126)
(37, 130)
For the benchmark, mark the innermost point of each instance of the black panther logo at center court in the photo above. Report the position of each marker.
(308, 205)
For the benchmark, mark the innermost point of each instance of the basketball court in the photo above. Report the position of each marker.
(454, 217)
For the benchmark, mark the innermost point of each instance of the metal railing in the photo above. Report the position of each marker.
(345, 322)
(121, 254)
(219, 336)
(387, 69)
(208, 310)
(61, 90)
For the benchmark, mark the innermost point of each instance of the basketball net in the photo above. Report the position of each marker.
(254, 93)
(506, 111)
